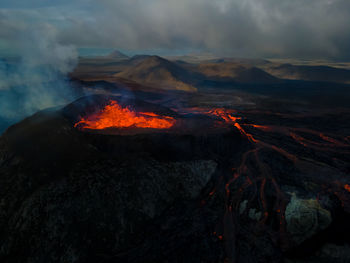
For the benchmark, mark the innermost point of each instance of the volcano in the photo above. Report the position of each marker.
(114, 187)
(117, 179)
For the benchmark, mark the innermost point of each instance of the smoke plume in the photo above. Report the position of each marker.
(37, 77)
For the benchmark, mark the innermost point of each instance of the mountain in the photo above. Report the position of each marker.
(117, 55)
(246, 61)
(239, 72)
(310, 73)
(154, 70)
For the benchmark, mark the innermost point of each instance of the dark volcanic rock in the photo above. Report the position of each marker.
(200, 191)
(72, 196)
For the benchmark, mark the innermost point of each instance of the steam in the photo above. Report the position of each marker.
(37, 77)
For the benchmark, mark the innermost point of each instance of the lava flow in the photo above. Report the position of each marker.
(253, 184)
(115, 116)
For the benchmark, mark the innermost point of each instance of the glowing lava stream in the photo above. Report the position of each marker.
(113, 115)
(251, 183)
(328, 144)
(257, 182)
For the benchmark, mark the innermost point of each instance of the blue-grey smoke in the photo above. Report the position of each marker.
(37, 77)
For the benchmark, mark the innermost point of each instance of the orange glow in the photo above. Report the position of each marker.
(114, 115)
(226, 115)
(347, 187)
(261, 127)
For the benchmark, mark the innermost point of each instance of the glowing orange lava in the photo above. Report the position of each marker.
(347, 187)
(227, 116)
(114, 115)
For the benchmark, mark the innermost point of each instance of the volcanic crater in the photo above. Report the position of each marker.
(201, 181)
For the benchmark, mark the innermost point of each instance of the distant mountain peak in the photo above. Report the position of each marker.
(116, 54)
(148, 58)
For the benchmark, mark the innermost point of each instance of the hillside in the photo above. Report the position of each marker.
(239, 72)
(117, 55)
(310, 73)
(154, 70)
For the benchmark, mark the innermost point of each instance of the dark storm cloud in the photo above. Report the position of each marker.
(290, 28)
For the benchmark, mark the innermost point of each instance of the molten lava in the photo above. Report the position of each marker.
(227, 116)
(114, 115)
(347, 187)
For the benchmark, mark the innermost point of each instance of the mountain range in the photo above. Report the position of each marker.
(182, 73)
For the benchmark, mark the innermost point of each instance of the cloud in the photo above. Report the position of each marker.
(259, 28)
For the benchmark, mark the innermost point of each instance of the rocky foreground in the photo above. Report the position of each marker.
(212, 196)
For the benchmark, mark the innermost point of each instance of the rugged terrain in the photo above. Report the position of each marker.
(252, 171)
(260, 187)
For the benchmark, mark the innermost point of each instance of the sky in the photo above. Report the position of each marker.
(309, 29)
